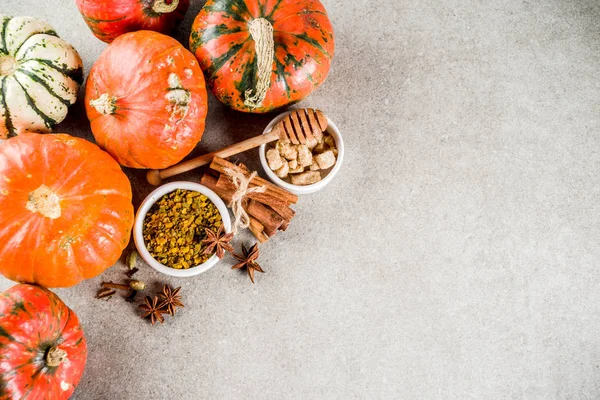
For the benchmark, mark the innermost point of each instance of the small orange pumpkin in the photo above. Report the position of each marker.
(65, 207)
(146, 100)
(107, 19)
(42, 346)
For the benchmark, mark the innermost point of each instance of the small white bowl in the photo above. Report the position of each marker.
(297, 189)
(149, 201)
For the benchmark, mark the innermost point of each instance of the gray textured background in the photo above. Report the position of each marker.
(455, 255)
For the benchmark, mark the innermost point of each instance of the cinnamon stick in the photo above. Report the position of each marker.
(270, 220)
(279, 205)
(243, 166)
(211, 182)
(225, 189)
(257, 230)
(286, 213)
(219, 164)
(269, 210)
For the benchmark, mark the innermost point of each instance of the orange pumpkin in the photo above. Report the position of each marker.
(146, 100)
(42, 346)
(65, 207)
(107, 19)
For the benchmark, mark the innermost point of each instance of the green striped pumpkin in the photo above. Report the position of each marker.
(40, 75)
(261, 55)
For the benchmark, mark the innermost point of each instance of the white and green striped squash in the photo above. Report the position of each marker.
(40, 75)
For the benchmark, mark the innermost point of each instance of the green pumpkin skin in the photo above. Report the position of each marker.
(40, 75)
(229, 52)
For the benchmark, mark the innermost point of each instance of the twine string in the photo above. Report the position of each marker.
(243, 189)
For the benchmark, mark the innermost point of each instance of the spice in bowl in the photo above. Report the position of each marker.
(175, 227)
(302, 164)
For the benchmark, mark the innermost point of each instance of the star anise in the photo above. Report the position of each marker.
(248, 259)
(152, 310)
(171, 299)
(218, 242)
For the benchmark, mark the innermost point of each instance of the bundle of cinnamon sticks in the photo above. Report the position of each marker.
(269, 210)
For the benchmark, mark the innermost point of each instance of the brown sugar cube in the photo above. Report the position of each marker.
(311, 143)
(304, 155)
(321, 147)
(274, 159)
(295, 168)
(330, 142)
(306, 178)
(283, 171)
(314, 166)
(325, 160)
(287, 150)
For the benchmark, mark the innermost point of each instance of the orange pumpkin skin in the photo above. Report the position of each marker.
(108, 19)
(65, 207)
(146, 100)
(35, 323)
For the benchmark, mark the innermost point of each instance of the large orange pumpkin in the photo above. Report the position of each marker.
(65, 207)
(146, 100)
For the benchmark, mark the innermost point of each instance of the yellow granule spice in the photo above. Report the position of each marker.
(174, 228)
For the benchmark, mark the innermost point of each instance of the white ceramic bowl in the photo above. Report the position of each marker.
(296, 189)
(149, 201)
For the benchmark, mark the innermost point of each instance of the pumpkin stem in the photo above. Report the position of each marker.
(8, 65)
(104, 104)
(44, 201)
(161, 6)
(55, 356)
(261, 31)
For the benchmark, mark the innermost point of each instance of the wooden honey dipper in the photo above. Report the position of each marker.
(300, 126)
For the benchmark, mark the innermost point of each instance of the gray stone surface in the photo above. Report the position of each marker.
(455, 255)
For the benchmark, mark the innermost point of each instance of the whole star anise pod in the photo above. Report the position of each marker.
(218, 242)
(152, 310)
(248, 259)
(171, 299)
